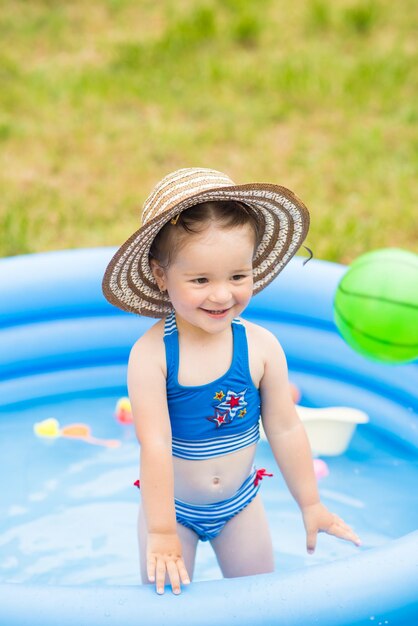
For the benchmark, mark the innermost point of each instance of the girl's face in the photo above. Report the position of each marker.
(210, 279)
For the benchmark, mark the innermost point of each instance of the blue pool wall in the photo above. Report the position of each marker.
(59, 339)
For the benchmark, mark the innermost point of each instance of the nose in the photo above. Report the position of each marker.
(220, 293)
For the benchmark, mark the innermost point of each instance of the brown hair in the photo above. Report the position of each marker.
(228, 214)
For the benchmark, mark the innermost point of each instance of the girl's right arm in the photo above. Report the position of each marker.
(147, 392)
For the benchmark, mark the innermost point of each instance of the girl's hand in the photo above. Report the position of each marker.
(317, 518)
(164, 556)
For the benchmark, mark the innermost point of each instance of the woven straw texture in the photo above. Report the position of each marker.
(128, 282)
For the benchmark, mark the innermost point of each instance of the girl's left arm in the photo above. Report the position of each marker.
(291, 449)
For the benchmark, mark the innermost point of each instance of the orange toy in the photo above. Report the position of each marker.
(50, 428)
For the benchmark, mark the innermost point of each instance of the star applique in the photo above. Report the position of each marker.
(219, 395)
(242, 413)
(220, 418)
(233, 402)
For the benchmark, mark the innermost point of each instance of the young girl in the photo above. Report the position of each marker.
(201, 377)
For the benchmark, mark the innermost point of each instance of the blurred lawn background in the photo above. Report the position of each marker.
(100, 99)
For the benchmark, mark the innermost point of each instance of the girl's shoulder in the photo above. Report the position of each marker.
(259, 335)
(263, 350)
(263, 346)
(153, 335)
(266, 354)
(150, 346)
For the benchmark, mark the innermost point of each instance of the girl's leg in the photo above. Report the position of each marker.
(244, 545)
(188, 540)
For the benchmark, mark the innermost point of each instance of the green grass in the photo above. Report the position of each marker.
(98, 101)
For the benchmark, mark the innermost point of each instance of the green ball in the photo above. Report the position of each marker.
(376, 305)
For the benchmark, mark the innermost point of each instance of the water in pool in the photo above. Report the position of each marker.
(68, 509)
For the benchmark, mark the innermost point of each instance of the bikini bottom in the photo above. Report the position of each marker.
(207, 520)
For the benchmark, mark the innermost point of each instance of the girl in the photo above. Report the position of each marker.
(201, 377)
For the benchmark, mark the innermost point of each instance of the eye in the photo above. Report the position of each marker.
(237, 277)
(200, 281)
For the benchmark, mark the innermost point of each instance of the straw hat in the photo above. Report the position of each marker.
(128, 282)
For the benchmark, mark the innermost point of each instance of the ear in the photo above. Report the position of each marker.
(159, 274)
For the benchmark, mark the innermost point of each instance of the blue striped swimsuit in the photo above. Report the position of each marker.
(211, 420)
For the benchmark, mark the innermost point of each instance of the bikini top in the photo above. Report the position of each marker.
(218, 417)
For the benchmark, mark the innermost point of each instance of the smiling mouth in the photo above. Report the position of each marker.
(217, 312)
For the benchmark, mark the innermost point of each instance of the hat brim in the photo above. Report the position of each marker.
(129, 284)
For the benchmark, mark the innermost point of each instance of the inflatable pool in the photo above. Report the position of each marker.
(68, 508)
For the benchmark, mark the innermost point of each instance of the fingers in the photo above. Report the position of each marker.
(157, 568)
(174, 577)
(311, 537)
(160, 578)
(156, 572)
(343, 531)
(151, 566)
(319, 519)
(184, 576)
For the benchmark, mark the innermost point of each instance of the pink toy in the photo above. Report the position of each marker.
(320, 468)
(295, 393)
